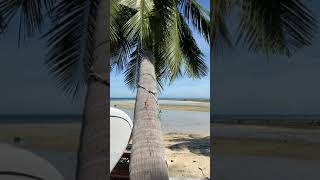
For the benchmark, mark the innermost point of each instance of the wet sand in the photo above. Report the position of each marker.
(250, 152)
(187, 154)
(253, 152)
(167, 105)
(266, 132)
(186, 136)
(231, 167)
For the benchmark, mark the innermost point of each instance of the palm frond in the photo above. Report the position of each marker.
(2, 25)
(157, 31)
(31, 15)
(169, 38)
(132, 69)
(161, 21)
(71, 44)
(171, 51)
(220, 34)
(138, 26)
(121, 46)
(121, 52)
(114, 13)
(276, 26)
(199, 16)
(195, 65)
(180, 51)
(161, 70)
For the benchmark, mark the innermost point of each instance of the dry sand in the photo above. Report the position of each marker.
(187, 154)
(267, 150)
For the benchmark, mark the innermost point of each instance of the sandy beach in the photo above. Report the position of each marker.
(185, 124)
(187, 154)
(263, 149)
(253, 152)
(202, 106)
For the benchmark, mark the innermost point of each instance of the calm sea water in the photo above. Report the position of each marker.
(35, 118)
(182, 121)
(171, 120)
(169, 99)
(179, 120)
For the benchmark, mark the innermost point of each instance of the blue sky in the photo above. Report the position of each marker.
(242, 82)
(182, 88)
(249, 83)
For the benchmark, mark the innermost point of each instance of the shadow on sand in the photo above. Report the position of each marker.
(196, 145)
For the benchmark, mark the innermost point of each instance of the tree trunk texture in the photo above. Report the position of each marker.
(93, 155)
(147, 154)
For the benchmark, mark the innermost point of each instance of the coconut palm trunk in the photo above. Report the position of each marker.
(147, 155)
(93, 155)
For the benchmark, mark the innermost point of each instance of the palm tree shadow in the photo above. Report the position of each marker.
(196, 145)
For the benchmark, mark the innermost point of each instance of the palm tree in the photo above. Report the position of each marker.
(153, 43)
(155, 36)
(270, 27)
(79, 60)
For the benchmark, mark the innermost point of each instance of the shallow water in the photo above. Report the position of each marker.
(166, 102)
(182, 121)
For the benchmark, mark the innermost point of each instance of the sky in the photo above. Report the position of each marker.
(247, 83)
(182, 88)
(26, 87)
(241, 83)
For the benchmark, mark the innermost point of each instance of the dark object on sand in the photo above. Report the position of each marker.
(17, 140)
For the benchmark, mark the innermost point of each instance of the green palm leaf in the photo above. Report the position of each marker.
(160, 26)
(121, 46)
(220, 34)
(276, 26)
(171, 52)
(139, 24)
(132, 68)
(31, 15)
(71, 44)
(195, 13)
(195, 65)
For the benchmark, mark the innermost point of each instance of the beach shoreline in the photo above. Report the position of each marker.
(179, 105)
(187, 154)
(186, 135)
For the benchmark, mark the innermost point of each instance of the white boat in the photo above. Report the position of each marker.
(120, 132)
(20, 164)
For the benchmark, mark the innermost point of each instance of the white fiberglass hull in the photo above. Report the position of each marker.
(120, 131)
(20, 164)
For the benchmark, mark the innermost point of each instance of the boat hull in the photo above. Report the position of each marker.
(120, 132)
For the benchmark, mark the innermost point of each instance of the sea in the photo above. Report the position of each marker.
(179, 121)
(171, 120)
